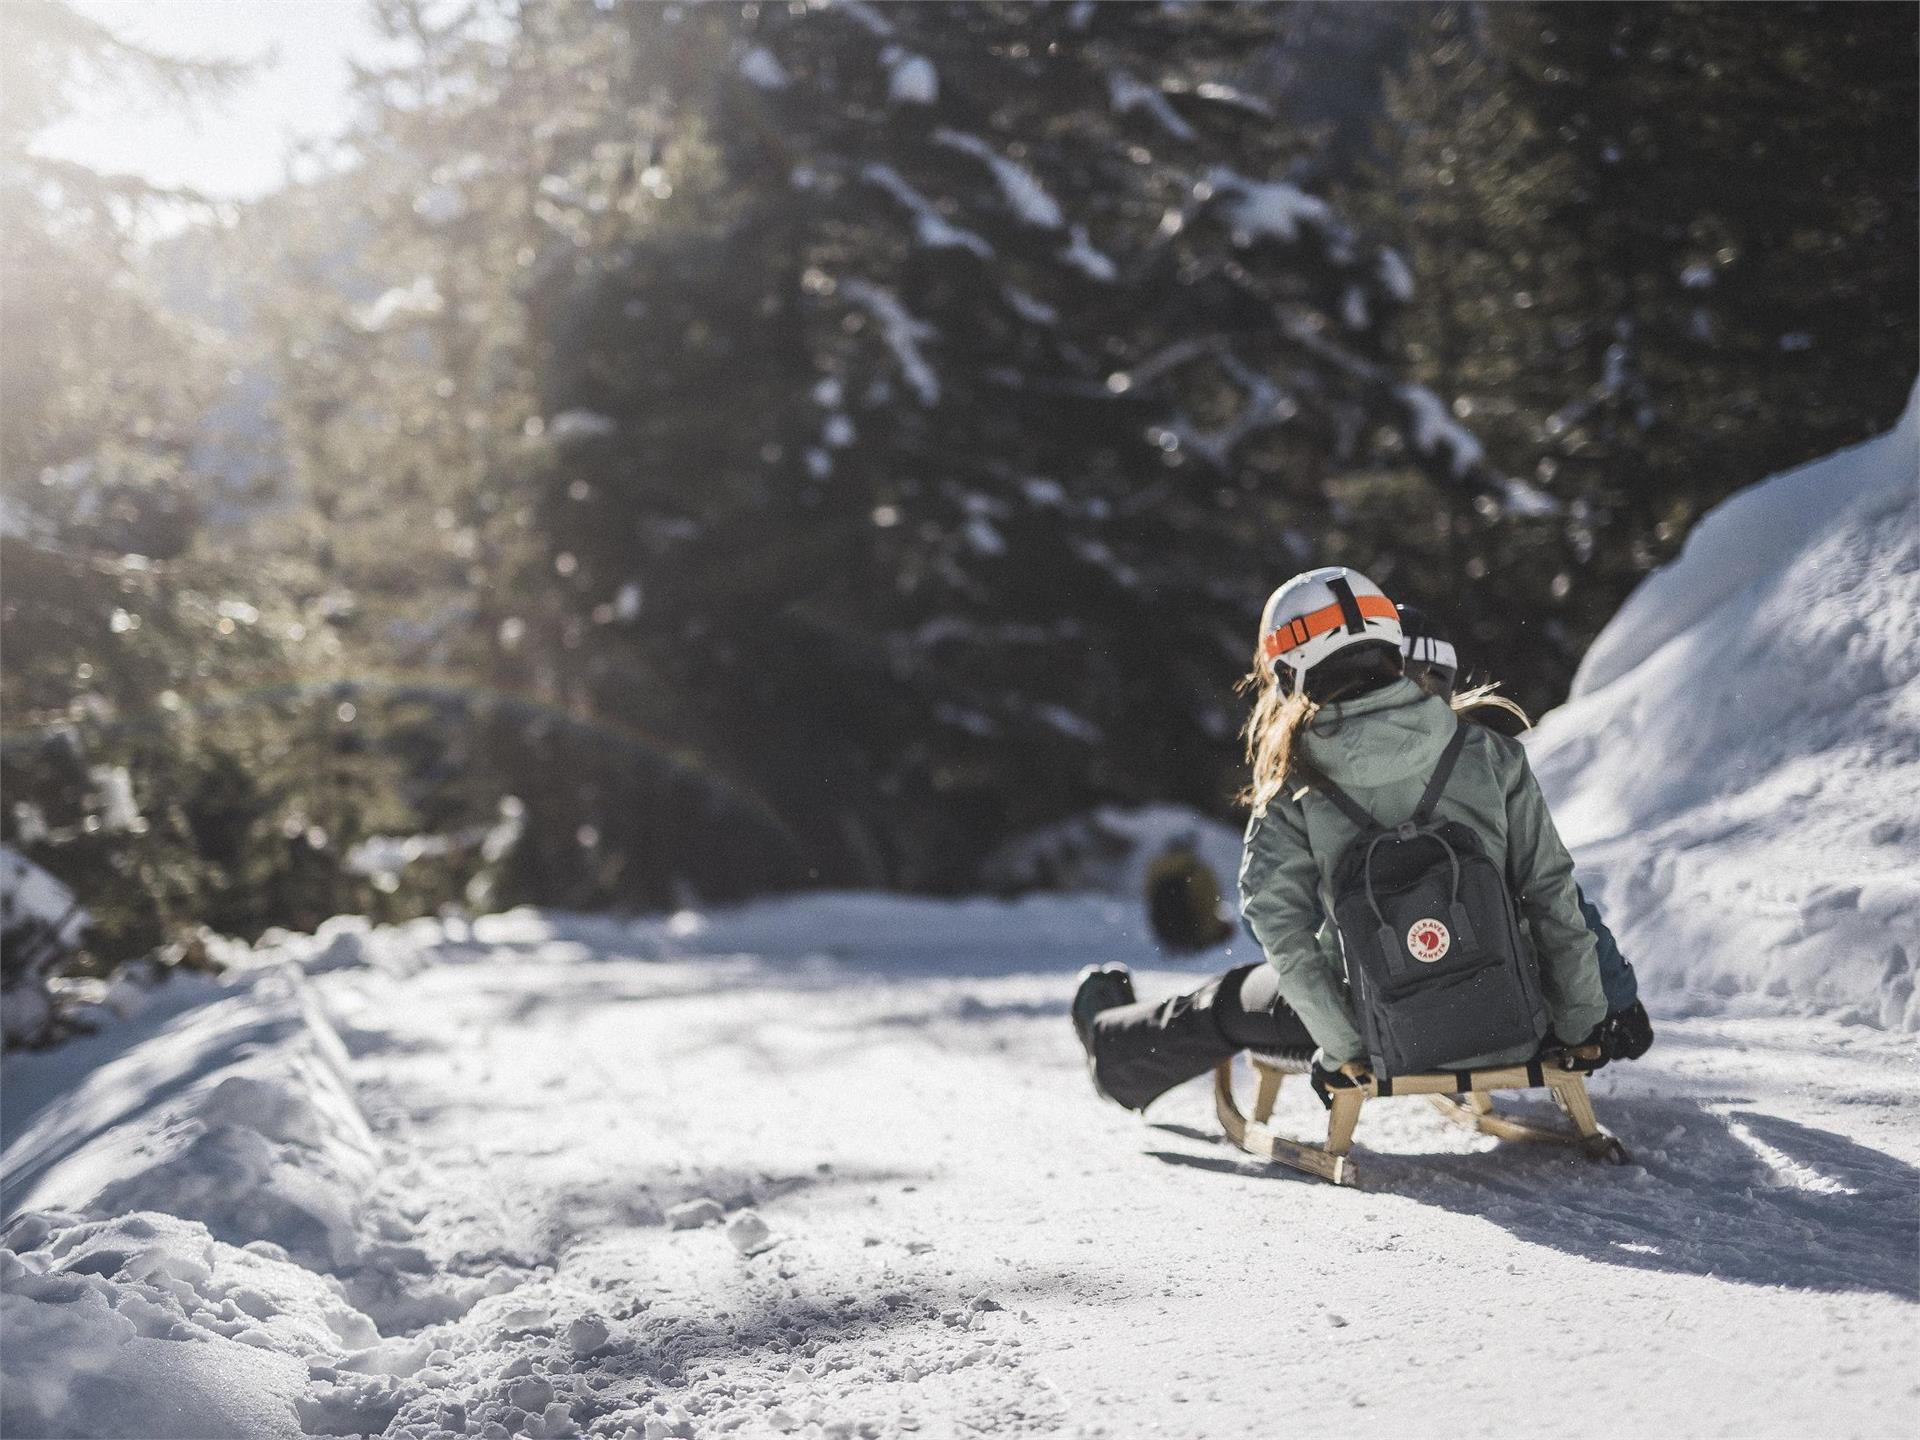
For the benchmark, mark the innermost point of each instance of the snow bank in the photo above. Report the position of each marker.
(346, 942)
(202, 1237)
(1756, 536)
(234, 1113)
(839, 924)
(823, 929)
(1738, 772)
(144, 1325)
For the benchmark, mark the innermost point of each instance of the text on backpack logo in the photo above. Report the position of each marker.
(1428, 940)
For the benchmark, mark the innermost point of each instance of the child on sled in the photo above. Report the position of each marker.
(1345, 695)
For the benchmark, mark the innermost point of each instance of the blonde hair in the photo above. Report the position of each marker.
(1274, 728)
(1488, 697)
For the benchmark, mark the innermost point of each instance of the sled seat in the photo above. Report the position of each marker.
(1332, 1161)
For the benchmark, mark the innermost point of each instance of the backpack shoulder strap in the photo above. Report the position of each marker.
(1442, 772)
(1342, 801)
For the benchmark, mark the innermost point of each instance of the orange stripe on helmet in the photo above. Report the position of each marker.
(1302, 628)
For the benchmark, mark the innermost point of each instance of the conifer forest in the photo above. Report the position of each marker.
(690, 451)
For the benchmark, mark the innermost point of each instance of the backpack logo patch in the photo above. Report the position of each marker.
(1428, 940)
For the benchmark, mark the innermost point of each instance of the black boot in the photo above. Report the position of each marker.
(1141, 1051)
(1101, 988)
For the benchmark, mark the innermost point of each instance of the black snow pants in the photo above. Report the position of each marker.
(1143, 1050)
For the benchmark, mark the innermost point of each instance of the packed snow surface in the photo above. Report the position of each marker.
(830, 1166)
(1738, 771)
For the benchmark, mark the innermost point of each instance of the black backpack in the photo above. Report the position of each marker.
(1436, 961)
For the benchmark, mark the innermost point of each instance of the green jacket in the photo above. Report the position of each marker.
(1381, 749)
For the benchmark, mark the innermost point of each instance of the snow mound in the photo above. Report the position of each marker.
(1755, 537)
(203, 1236)
(342, 942)
(237, 1114)
(1738, 770)
(144, 1325)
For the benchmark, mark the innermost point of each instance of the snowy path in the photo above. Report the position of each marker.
(423, 1181)
(969, 1243)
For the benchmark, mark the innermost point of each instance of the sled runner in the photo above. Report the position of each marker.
(1332, 1161)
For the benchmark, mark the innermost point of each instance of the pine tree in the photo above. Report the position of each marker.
(160, 755)
(945, 399)
(1662, 250)
(410, 374)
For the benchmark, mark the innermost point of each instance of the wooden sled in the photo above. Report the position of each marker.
(1333, 1161)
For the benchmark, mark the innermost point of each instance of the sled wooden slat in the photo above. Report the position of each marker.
(1256, 1138)
(1488, 1121)
(1331, 1161)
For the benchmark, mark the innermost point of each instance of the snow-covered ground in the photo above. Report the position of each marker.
(1738, 770)
(959, 1239)
(830, 1165)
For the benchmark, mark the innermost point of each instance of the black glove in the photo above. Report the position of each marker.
(1585, 1056)
(1325, 1082)
(1627, 1034)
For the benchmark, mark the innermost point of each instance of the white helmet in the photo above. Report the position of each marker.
(1321, 613)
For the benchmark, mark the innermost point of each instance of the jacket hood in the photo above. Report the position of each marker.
(1396, 732)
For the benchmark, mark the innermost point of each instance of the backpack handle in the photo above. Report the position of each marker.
(1407, 832)
(1390, 942)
